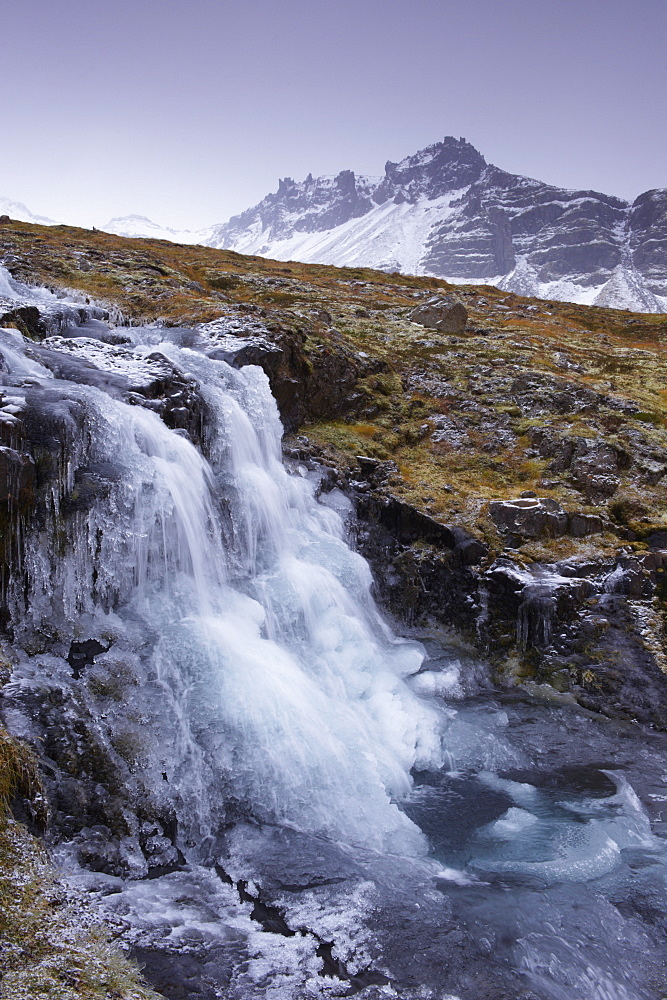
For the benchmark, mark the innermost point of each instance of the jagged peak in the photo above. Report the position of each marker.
(449, 148)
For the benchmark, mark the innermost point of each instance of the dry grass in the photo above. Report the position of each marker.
(51, 946)
(468, 377)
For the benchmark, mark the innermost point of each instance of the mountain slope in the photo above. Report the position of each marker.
(21, 213)
(445, 212)
(139, 226)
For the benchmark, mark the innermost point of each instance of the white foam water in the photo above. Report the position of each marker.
(263, 668)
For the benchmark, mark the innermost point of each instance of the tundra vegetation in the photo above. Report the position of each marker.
(557, 410)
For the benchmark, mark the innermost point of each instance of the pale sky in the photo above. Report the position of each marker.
(188, 112)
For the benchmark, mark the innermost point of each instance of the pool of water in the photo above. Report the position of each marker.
(544, 878)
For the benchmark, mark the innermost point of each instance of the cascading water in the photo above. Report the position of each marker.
(287, 690)
(250, 729)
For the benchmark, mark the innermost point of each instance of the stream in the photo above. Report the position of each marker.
(268, 791)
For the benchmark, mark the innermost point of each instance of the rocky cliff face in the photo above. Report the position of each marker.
(445, 212)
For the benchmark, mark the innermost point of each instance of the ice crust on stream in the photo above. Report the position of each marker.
(246, 685)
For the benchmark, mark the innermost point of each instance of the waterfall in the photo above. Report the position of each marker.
(245, 765)
(258, 678)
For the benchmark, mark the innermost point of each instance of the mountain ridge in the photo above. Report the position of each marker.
(445, 212)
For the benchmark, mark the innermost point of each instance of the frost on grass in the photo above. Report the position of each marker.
(51, 945)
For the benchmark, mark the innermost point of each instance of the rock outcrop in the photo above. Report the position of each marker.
(443, 314)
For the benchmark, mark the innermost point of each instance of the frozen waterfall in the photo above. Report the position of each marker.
(259, 672)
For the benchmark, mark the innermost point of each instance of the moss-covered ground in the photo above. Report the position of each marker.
(447, 409)
(51, 947)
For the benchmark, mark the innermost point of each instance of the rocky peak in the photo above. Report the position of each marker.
(444, 211)
(434, 171)
(648, 238)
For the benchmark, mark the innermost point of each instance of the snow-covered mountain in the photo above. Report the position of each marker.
(139, 226)
(445, 212)
(17, 210)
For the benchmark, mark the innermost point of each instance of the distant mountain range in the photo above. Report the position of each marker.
(17, 210)
(446, 212)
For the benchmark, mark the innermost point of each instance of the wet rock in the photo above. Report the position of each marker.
(535, 517)
(27, 319)
(631, 577)
(143, 380)
(90, 484)
(447, 315)
(545, 602)
(82, 654)
(255, 351)
(17, 479)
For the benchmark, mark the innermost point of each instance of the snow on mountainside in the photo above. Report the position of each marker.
(17, 210)
(138, 226)
(445, 212)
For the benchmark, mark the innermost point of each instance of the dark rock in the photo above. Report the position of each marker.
(4, 219)
(444, 314)
(631, 577)
(89, 485)
(82, 654)
(407, 524)
(26, 319)
(529, 517)
(534, 517)
(256, 351)
(657, 540)
(582, 525)
(17, 479)
(374, 470)
(318, 384)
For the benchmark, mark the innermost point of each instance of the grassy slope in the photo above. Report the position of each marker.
(466, 379)
(50, 944)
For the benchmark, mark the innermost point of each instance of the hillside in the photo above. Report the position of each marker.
(233, 758)
(445, 211)
(531, 399)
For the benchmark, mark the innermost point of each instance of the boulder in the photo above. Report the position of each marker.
(535, 517)
(529, 517)
(444, 314)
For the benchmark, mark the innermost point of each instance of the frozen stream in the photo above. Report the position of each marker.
(544, 878)
(273, 794)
